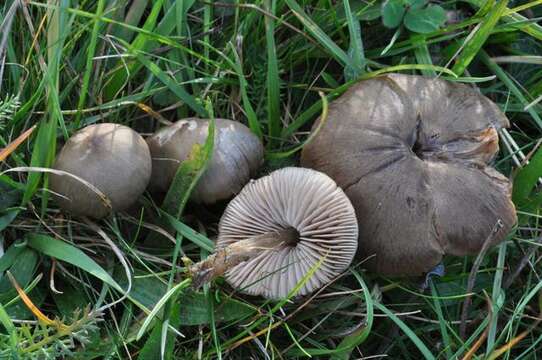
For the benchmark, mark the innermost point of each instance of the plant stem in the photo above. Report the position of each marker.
(230, 256)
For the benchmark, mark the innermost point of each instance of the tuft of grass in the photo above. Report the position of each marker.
(274, 65)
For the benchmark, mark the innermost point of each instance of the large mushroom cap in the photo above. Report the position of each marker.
(412, 155)
(306, 201)
(111, 157)
(236, 156)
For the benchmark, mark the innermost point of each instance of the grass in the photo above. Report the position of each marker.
(273, 65)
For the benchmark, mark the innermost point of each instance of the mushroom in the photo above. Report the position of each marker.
(413, 155)
(279, 228)
(111, 157)
(236, 157)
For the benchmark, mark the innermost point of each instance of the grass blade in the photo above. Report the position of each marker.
(497, 297)
(526, 179)
(411, 335)
(172, 85)
(474, 42)
(422, 54)
(173, 291)
(119, 77)
(510, 84)
(5, 152)
(320, 35)
(63, 251)
(273, 80)
(88, 66)
(188, 174)
(191, 234)
(355, 51)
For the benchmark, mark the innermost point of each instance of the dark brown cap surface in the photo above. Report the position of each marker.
(412, 154)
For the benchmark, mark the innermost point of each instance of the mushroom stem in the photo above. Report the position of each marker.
(230, 256)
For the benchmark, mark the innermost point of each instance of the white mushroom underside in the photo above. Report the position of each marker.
(298, 198)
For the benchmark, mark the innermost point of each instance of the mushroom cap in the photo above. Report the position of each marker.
(113, 158)
(303, 199)
(412, 154)
(237, 154)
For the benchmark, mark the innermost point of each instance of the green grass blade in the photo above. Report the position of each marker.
(345, 347)
(153, 344)
(422, 54)
(510, 84)
(63, 251)
(526, 179)
(5, 320)
(119, 77)
(497, 297)
(8, 258)
(273, 80)
(191, 234)
(471, 340)
(443, 323)
(45, 147)
(89, 62)
(253, 122)
(188, 174)
(171, 84)
(209, 300)
(321, 122)
(319, 34)
(133, 17)
(160, 304)
(43, 150)
(355, 51)
(529, 27)
(474, 42)
(411, 335)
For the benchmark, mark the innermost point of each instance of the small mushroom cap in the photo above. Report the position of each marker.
(412, 154)
(237, 155)
(113, 158)
(303, 199)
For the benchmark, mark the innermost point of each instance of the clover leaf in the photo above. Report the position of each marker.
(416, 15)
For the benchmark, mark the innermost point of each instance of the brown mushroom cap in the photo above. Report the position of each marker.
(412, 154)
(236, 156)
(113, 158)
(324, 224)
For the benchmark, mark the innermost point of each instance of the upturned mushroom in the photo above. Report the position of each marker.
(111, 157)
(236, 157)
(413, 155)
(279, 228)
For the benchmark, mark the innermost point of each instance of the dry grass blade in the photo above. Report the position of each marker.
(105, 200)
(509, 345)
(30, 305)
(155, 114)
(5, 152)
(469, 355)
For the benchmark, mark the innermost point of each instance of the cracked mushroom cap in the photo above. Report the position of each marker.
(324, 224)
(113, 158)
(237, 155)
(412, 154)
